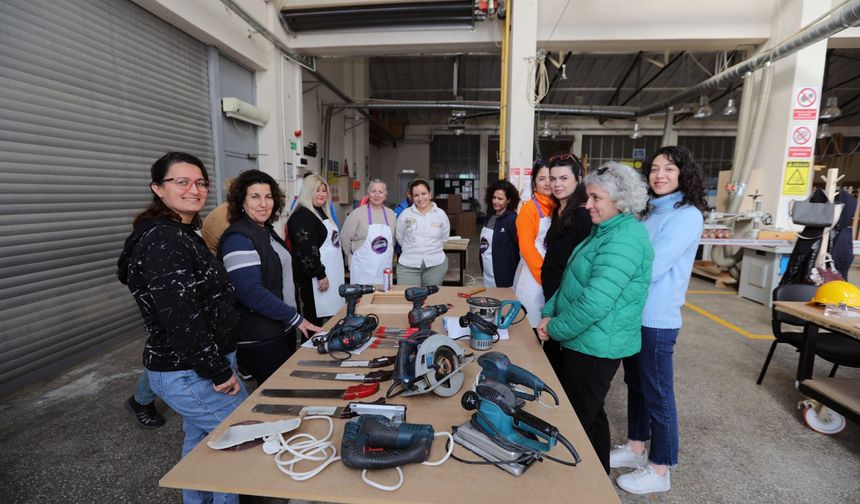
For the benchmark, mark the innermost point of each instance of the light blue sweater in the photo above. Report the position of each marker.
(675, 234)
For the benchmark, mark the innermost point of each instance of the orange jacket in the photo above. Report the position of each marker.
(528, 224)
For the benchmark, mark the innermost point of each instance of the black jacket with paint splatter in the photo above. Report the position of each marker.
(185, 297)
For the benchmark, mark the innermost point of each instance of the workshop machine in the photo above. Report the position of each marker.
(485, 317)
(497, 367)
(505, 435)
(427, 361)
(377, 442)
(353, 330)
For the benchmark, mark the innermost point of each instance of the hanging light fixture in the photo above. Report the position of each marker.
(636, 132)
(545, 132)
(703, 110)
(831, 109)
(731, 109)
(459, 130)
(824, 131)
(458, 113)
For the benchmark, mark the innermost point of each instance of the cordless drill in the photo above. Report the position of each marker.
(422, 317)
(418, 295)
(353, 330)
(497, 367)
(352, 293)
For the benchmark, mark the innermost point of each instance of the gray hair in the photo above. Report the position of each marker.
(625, 186)
(377, 181)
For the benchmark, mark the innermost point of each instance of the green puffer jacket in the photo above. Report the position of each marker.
(598, 308)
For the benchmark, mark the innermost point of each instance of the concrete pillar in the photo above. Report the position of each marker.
(520, 113)
(786, 147)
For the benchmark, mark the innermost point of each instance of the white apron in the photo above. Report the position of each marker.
(329, 302)
(487, 257)
(375, 254)
(528, 291)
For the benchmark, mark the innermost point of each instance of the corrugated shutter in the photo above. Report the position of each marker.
(91, 93)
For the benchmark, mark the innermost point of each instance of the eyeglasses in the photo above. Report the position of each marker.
(185, 183)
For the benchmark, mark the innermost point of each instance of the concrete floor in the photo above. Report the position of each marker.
(70, 439)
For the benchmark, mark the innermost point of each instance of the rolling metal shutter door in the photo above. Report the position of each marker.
(91, 93)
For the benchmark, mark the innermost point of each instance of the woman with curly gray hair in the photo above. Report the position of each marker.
(596, 314)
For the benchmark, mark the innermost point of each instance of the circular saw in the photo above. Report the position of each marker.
(428, 362)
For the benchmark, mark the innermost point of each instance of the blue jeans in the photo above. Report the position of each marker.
(202, 409)
(651, 412)
(143, 393)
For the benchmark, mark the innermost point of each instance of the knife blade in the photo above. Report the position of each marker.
(374, 377)
(307, 410)
(353, 392)
(372, 363)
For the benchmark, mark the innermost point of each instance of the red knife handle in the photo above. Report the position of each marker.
(359, 391)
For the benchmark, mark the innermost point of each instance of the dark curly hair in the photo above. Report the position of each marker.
(239, 189)
(690, 181)
(510, 192)
(158, 171)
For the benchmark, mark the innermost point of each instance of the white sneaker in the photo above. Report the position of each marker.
(644, 481)
(623, 456)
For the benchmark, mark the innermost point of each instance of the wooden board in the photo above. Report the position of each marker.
(254, 473)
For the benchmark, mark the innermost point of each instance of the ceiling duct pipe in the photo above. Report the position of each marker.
(842, 17)
(584, 110)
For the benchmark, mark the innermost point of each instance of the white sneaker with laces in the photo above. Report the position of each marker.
(644, 481)
(623, 456)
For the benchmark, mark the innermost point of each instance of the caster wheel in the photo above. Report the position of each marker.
(828, 422)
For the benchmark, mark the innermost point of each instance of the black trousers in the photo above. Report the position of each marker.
(264, 357)
(586, 382)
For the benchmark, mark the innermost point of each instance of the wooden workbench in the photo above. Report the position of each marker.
(252, 472)
(840, 394)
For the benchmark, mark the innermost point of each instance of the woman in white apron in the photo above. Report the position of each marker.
(367, 242)
(318, 260)
(500, 252)
(532, 225)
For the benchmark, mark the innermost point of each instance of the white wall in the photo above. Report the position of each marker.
(411, 153)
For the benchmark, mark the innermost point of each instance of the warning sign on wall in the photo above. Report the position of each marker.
(806, 103)
(795, 178)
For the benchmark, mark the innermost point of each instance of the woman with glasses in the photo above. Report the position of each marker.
(422, 230)
(261, 270)
(186, 301)
(318, 265)
(368, 237)
(674, 222)
(532, 225)
(499, 251)
(596, 314)
(570, 225)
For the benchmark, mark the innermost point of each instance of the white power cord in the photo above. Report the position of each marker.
(538, 84)
(391, 488)
(303, 447)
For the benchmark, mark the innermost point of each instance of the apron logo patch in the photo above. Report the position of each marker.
(484, 244)
(334, 238)
(379, 244)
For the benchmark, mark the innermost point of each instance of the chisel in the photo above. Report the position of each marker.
(374, 377)
(372, 363)
(354, 392)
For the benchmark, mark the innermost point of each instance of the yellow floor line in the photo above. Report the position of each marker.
(728, 325)
(711, 292)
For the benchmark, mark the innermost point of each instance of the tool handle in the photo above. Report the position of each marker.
(359, 391)
(386, 360)
(366, 442)
(377, 376)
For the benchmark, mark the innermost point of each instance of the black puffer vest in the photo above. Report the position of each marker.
(252, 325)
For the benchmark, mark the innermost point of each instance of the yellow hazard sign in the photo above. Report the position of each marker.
(796, 178)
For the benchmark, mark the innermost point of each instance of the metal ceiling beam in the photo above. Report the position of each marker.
(655, 76)
(617, 93)
(588, 110)
(843, 17)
